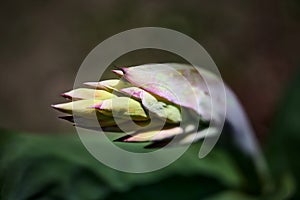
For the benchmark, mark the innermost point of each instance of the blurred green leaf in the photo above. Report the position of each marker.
(36, 166)
(284, 144)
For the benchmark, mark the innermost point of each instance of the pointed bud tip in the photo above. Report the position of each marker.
(66, 95)
(58, 106)
(55, 106)
(118, 72)
(92, 84)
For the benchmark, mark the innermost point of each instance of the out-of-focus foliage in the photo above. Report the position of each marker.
(254, 44)
(47, 167)
(284, 143)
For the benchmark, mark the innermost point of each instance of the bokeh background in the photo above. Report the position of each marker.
(255, 44)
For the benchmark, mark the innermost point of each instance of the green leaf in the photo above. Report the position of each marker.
(283, 147)
(36, 166)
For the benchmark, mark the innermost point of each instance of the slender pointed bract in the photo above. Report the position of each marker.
(81, 107)
(109, 85)
(119, 73)
(85, 93)
(152, 135)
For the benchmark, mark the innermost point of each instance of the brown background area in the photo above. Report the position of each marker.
(42, 44)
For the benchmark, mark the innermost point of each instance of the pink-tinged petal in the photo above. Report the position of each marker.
(196, 136)
(134, 92)
(179, 84)
(153, 135)
(118, 72)
(184, 139)
(160, 108)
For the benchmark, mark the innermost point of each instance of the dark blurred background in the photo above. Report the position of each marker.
(254, 43)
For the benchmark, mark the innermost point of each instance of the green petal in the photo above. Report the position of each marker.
(152, 135)
(130, 126)
(85, 93)
(184, 135)
(160, 108)
(104, 121)
(122, 107)
(185, 139)
(80, 108)
(110, 85)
